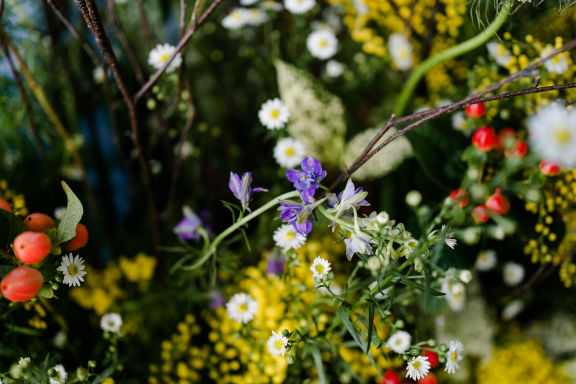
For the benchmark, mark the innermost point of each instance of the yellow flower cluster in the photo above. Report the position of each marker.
(17, 201)
(432, 27)
(103, 288)
(37, 321)
(238, 354)
(558, 202)
(521, 363)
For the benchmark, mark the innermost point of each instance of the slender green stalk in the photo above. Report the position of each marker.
(450, 53)
(239, 224)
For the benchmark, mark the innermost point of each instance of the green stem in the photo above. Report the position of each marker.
(214, 245)
(450, 53)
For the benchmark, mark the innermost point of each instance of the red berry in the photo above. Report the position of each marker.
(32, 247)
(498, 203)
(549, 168)
(38, 222)
(429, 379)
(391, 377)
(519, 149)
(476, 110)
(460, 196)
(484, 139)
(80, 240)
(480, 214)
(21, 284)
(432, 358)
(5, 205)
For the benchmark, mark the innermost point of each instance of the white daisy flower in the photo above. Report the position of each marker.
(289, 152)
(247, 2)
(274, 114)
(111, 322)
(399, 342)
(277, 344)
(455, 349)
(60, 374)
(455, 293)
(272, 5)
(235, 19)
(299, 7)
(558, 64)
(449, 240)
(286, 237)
(72, 267)
(401, 51)
(465, 276)
(413, 198)
(334, 68)
(241, 308)
(159, 55)
(255, 16)
(512, 309)
(320, 268)
(98, 75)
(499, 53)
(418, 367)
(553, 134)
(322, 44)
(486, 260)
(513, 273)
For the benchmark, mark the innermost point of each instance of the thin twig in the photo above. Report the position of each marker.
(92, 18)
(475, 98)
(183, 41)
(148, 37)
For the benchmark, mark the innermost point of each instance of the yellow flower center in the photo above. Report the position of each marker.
(164, 57)
(242, 308)
(290, 152)
(323, 43)
(279, 344)
(236, 15)
(274, 113)
(73, 270)
(290, 235)
(416, 365)
(398, 341)
(454, 356)
(403, 53)
(562, 135)
(320, 269)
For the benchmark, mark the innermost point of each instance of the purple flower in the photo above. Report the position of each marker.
(358, 242)
(275, 265)
(298, 215)
(240, 187)
(187, 228)
(217, 299)
(307, 180)
(350, 197)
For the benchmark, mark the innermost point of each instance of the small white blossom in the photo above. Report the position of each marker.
(60, 373)
(277, 344)
(512, 309)
(334, 68)
(111, 322)
(255, 17)
(455, 350)
(320, 268)
(413, 198)
(513, 274)
(241, 308)
(322, 44)
(235, 19)
(23, 362)
(286, 237)
(72, 267)
(299, 7)
(98, 75)
(399, 342)
(499, 53)
(373, 263)
(401, 51)
(418, 367)
(289, 152)
(558, 64)
(274, 114)
(160, 55)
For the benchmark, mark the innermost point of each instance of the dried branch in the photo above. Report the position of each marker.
(192, 28)
(475, 98)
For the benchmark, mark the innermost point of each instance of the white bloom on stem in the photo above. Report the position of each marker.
(235, 19)
(455, 349)
(499, 53)
(274, 114)
(72, 267)
(513, 273)
(413, 198)
(418, 367)
(111, 322)
(277, 344)
(289, 152)
(322, 44)
(299, 7)
(334, 68)
(286, 237)
(160, 55)
(558, 64)
(60, 374)
(255, 16)
(320, 268)
(399, 342)
(486, 260)
(553, 134)
(401, 51)
(241, 308)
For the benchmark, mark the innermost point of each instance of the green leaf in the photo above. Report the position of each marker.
(370, 324)
(46, 291)
(343, 314)
(74, 212)
(10, 227)
(319, 366)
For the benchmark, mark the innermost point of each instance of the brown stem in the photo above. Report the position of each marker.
(183, 41)
(148, 37)
(125, 43)
(475, 98)
(92, 18)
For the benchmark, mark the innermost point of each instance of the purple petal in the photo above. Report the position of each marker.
(259, 189)
(294, 175)
(235, 184)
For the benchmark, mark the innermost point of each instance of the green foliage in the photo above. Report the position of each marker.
(74, 212)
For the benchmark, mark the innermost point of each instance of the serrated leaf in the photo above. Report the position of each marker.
(316, 115)
(10, 227)
(74, 212)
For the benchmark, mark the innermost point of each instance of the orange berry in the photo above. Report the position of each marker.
(38, 222)
(32, 247)
(21, 284)
(80, 239)
(5, 205)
